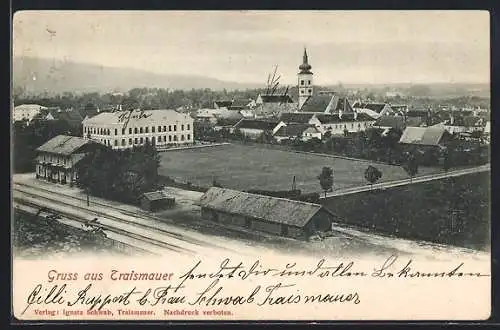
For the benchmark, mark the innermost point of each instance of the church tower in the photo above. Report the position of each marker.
(305, 80)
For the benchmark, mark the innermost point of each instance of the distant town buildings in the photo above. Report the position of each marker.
(125, 129)
(26, 112)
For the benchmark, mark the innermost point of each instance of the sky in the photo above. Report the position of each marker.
(244, 46)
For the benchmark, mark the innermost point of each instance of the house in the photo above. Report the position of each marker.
(433, 136)
(254, 128)
(273, 104)
(291, 131)
(57, 160)
(399, 109)
(26, 112)
(222, 104)
(74, 118)
(374, 110)
(274, 215)
(226, 123)
(396, 122)
(156, 200)
(350, 122)
(126, 129)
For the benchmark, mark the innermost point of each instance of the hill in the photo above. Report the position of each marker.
(37, 75)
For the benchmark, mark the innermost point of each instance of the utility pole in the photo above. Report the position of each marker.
(88, 197)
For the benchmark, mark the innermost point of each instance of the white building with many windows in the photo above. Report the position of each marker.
(125, 129)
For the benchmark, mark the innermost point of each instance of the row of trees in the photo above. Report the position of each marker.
(372, 174)
(122, 175)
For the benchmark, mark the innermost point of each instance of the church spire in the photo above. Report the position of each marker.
(305, 67)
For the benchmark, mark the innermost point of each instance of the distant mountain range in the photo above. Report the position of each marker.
(39, 75)
(36, 75)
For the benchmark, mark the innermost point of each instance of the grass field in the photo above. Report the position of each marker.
(250, 167)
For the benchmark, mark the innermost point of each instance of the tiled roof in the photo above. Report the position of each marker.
(296, 117)
(377, 107)
(430, 136)
(256, 124)
(292, 130)
(227, 121)
(390, 121)
(63, 144)
(240, 103)
(346, 117)
(330, 102)
(221, 104)
(271, 209)
(155, 195)
(276, 99)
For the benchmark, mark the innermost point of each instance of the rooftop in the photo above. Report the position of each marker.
(257, 124)
(272, 209)
(138, 116)
(63, 144)
(430, 136)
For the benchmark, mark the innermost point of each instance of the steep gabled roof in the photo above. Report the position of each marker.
(293, 130)
(257, 124)
(276, 99)
(296, 117)
(271, 209)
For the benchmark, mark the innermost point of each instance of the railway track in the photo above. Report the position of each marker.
(153, 232)
(108, 228)
(140, 219)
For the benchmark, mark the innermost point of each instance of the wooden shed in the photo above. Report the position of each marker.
(274, 215)
(156, 200)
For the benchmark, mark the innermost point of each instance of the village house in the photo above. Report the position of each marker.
(125, 129)
(274, 215)
(304, 132)
(300, 118)
(396, 122)
(57, 160)
(273, 104)
(374, 110)
(226, 123)
(433, 138)
(344, 122)
(254, 128)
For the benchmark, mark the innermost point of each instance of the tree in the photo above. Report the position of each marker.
(411, 166)
(372, 175)
(326, 179)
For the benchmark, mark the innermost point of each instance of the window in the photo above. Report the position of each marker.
(182, 127)
(301, 91)
(359, 125)
(109, 131)
(130, 130)
(189, 137)
(130, 141)
(170, 138)
(352, 125)
(123, 131)
(309, 90)
(175, 137)
(115, 143)
(302, 82)
(147, 139)
(164, 128)
(182, 137)
(123, 142)
(153, 129)
(140, 130)
(308, 82)
(175, 128)
(136, 141)
(141, 141)
(189, 127)
(116, 131)
(153, 141)
(165, 138)
(170, 128)
(146, 129)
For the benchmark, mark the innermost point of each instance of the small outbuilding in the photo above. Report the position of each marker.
(156, 201)
(274, 215)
